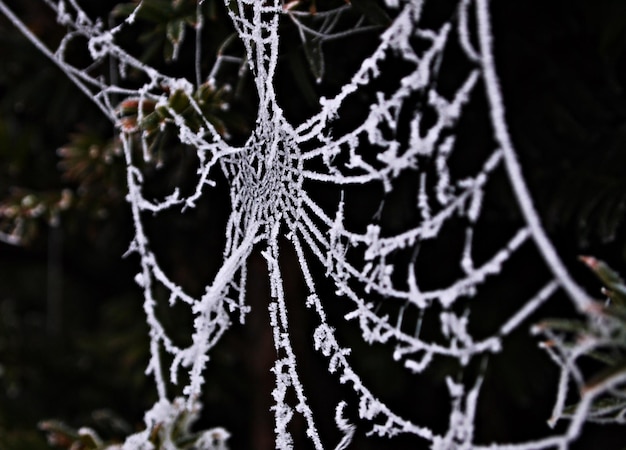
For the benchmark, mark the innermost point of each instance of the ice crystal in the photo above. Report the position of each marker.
(269, 178)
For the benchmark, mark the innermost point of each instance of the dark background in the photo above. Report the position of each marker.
(73, 340)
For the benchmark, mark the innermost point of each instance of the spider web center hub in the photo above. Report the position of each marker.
(268, 174)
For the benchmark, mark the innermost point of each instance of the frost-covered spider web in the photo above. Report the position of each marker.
(408, 131)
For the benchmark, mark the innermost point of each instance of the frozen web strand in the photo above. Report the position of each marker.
(580, 298)
(268, 179)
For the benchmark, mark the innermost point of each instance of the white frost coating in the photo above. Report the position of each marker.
(269, 177)
(345, 426)
(514, 170)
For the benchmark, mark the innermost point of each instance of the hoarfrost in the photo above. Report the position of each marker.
(269, 178)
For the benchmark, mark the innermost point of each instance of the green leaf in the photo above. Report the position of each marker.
(617, 307)
(600, 407)
(179, 101)
(611, 279)
(567, 325)
(605, 375)
(175, 31)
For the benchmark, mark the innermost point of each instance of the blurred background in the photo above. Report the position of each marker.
(73, 339)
